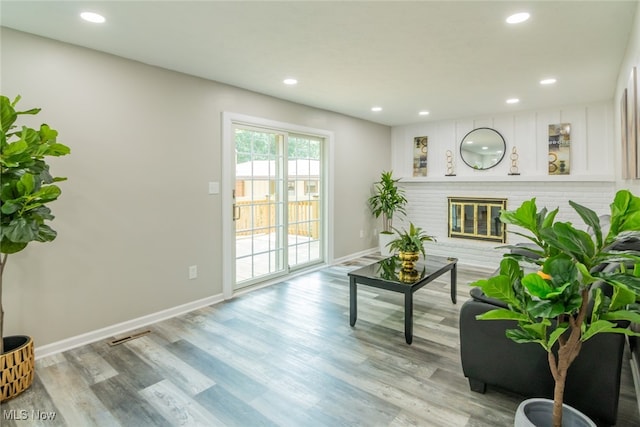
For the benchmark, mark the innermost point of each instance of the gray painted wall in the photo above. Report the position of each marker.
(135, 212)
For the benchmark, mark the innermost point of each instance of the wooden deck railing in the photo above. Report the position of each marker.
(304, 218)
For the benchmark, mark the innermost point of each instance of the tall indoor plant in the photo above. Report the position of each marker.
(26, 186)
(388, 199)
(552, 305)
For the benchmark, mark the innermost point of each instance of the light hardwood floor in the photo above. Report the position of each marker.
(283, 355)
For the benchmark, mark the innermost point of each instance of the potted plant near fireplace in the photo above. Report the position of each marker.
(26, 188)
(387, 201)
(558, 306)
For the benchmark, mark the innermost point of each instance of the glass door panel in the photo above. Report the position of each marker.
(304, 200)
(259, 202)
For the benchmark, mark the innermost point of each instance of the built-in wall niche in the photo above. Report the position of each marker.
(477, 219)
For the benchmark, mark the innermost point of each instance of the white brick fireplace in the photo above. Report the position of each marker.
(428, 209)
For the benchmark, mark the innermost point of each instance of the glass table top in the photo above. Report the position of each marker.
(390, 269)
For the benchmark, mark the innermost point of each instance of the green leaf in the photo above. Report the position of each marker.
(625, 214)
(587, 278)
(537, 329)
(9, 247)
(524, 216)
(498, 287)
(553, 336)
(26, 184)
(598, 327)
(548, 219)
(509, 267)
(591, 219)
(622, 296)
(7, 114)
(520, 336)
(47, 134)
(561, 268)
(575, 243)
(46, 233)
(546, 309)
(20, 230)
(57, 150)
(597, 304)
(48, 193)
(627, 280)
(631, 316)
(9, 208)
(14, 148)
(502, 314)
(537, 286)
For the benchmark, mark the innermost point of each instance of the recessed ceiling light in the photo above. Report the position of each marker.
(485, 148)
(290, 81)
(423, 113)
(92, 17)
(517, 18)
(513, 101)
(376, 109)
(547, 81)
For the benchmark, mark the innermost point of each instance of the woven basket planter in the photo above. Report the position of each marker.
(16, 366)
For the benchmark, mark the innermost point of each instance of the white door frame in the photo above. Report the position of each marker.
(228, 184)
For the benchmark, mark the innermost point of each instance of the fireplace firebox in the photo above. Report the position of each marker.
(477, 218)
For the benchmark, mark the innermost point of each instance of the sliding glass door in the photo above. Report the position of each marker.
(276, 203)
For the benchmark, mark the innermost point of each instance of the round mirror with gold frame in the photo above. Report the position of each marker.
(482, 148)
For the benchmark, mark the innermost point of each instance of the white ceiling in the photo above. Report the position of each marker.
(455, 59)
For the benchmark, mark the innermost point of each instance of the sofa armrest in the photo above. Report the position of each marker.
(477, 294)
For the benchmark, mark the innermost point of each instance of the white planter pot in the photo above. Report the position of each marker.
(383, 240)
(538, 413)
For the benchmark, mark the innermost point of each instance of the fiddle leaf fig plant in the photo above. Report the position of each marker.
(26, 185)
(559, 306)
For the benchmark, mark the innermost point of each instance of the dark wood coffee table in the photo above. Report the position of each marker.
(388, 274)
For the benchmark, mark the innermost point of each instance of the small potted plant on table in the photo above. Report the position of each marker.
(410, 244)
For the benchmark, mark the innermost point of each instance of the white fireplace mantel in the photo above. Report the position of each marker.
(511, 178)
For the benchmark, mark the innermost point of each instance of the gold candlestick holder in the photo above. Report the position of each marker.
(514, 162)
(450, 164)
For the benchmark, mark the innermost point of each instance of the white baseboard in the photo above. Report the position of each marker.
(636, 376)
(120, 328)
(350, 257)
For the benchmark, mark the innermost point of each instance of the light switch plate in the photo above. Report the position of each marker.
(214, 187)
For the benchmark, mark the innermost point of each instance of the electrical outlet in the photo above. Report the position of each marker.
(193, 272)
(361, 234)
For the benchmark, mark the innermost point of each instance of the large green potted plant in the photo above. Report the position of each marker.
(410, 244)
(26, 188)
(388, 200)
(557, 306)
